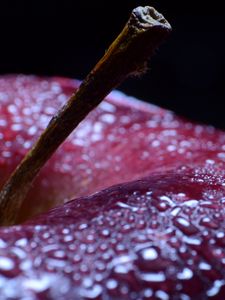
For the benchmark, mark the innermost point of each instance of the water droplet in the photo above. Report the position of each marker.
(204, 266)
(185, 226)
(111, 284)
(55, 263)
(148, 293)
(185, 274)
(207, 222)
(108, 118)
(91, 293)
(220, 235)
(191, 203)
(21, 242)
(106, 106)
(192, 241)
(6, 263)
(124, 205)
(3, 244)
(39, 284)
(149, 254)
(153, 277)
(162, 295)
(32, 130)
(214, 290)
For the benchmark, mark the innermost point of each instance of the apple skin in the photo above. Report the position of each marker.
(122, 140)
(161, 237)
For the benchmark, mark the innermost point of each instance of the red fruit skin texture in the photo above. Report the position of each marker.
(161, 237)
(122, 140)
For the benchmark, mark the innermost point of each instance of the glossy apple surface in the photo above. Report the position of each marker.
(123, 139)
(161, 237)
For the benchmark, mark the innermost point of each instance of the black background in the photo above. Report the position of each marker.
(68, 37)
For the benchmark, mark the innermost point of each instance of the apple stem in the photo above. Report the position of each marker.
(126, 56)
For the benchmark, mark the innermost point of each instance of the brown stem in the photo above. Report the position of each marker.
(127, 55)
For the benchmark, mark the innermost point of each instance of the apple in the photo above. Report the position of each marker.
(156, 237)
(161, 237)
(123, 139)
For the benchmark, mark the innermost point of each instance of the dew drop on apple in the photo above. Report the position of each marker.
(149, 254)
(167, 199)
(185, 226)
(220, 235)
(106, 106)
(77, 278)
(204, 266)
(25, 265)
(83, 268)
(68, 238)
(152, 277)
(124, 205)
(55, 263)
(209, 223)
(175, 211)
(87, 282)
(100, 266)
(93, 292)
(162, 206)
(122, 268)
(90, 249)
(50, 247)
(155, 143)
(39, 284)
(111, 284)
(147, 293)
(171, 148)
(3, 123)
(215, 289)
(108, 118)
(185, 274)
(161, 295)
(13, 109)
(125, 119)
(6, 154)
(191, 203)
(6, 263)
(105, 232)
(19, 252)
(3, 244)
(21, 242)
(59, 254)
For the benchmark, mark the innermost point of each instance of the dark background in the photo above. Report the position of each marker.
(68, 37)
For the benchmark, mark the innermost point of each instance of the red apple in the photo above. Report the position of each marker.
(161, 237)
(123, 139)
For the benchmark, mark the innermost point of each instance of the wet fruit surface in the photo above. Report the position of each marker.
(121, 140)
(161, 237)
(157, 238)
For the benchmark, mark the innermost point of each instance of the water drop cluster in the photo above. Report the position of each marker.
(161, 237)
(122, 140)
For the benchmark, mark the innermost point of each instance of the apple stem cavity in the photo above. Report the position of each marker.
(127, 55)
